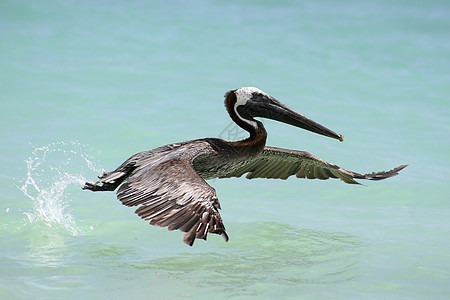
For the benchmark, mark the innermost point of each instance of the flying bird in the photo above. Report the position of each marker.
(168, 183)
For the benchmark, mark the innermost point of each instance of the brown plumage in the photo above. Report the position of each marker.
(168, 183)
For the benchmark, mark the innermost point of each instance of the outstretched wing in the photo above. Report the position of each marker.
(170, 193)
(282, 163)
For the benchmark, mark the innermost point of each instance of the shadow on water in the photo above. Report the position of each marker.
(265, 254)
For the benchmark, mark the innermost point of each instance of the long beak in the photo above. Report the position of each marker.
(275, 110)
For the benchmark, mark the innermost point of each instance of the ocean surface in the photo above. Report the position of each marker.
(86, 84)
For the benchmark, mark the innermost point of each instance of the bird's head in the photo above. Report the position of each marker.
(245, 103)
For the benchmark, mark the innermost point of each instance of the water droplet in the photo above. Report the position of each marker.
(51, 170)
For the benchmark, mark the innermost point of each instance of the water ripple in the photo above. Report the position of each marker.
(276, 254)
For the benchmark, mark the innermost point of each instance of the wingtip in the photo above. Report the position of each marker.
(225, 237)
(401, 167)
(395, 171)
(387, 174)
(189, 239)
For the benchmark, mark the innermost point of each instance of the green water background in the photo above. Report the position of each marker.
(86, 84)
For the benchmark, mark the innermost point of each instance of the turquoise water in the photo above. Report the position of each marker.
(86, 84)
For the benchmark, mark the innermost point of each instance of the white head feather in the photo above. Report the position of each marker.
(242, 96)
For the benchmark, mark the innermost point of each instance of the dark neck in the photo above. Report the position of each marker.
(256, 139)
(257, 136)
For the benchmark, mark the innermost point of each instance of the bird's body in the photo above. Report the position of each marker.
(168, 183)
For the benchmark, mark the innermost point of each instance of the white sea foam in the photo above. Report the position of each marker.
(51, 171)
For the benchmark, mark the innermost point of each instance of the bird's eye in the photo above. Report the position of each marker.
(259, 97)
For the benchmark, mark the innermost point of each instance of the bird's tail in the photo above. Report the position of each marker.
(108, 181)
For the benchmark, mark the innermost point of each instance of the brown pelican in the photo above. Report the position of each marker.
(168, 183)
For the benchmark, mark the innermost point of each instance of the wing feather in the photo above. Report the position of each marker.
(282, 163)
(171, 194)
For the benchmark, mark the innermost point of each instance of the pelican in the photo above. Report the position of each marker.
(168, 183)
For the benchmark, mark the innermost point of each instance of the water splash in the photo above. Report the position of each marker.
(52, 171)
